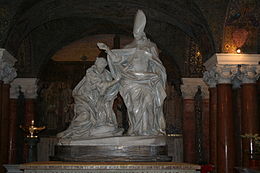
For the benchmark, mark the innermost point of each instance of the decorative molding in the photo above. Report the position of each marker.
(232, 59)
(7, 70)
(190, 87)
(236, 82)
(209, 77)
(232, 68)
(116, 167)
(225, 73)
(249, 73)
(28, 87)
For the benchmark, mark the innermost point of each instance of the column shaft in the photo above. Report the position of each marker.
(206, 132)
(13, 131)
(225, 136)
(250, 118)
(5, 124)
(237, 125)
(189, 127)
(213, 125)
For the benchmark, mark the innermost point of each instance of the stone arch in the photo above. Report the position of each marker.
(100, 17)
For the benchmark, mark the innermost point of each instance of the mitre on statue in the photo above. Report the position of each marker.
(140, 21)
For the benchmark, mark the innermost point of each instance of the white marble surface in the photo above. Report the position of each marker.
(94, 96)
(117, 141)
(233, 69)
(232, 59)
(142, 81)
(7, 70)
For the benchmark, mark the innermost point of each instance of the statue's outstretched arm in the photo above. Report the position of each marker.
(113, 56)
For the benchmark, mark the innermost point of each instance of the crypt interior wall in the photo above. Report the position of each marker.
(187, 35)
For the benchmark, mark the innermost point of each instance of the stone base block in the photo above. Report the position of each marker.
(109, 167)
(111, 153)
(123, 148)
(116, 141)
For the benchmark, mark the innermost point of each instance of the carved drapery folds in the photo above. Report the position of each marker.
(7, 70)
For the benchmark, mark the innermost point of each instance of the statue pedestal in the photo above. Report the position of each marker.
(124, 148)
(109, 167)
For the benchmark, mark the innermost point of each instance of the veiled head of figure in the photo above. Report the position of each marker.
(139, 25)
(101, 64)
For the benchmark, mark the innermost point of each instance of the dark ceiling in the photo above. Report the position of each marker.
(41, 27)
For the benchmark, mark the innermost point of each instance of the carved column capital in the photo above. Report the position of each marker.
(248, 73)
(225, 73)
(220, 74)
(235, 74)
(28, 87)
(232, 68)
(190, 87)
(7, 70)
(209, 77)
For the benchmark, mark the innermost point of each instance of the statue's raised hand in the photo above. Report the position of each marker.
(103, 46)
(113, 57)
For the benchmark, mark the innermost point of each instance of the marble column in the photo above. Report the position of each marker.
(225, 122)
(29, 88)
(5, 123)
(7, 74)
(236, 100)
(227, 69)
(225, 153)
(225, 126)
(189, 148)
(210, 79)
(12, 132)
(250, 118)
(189, 89)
